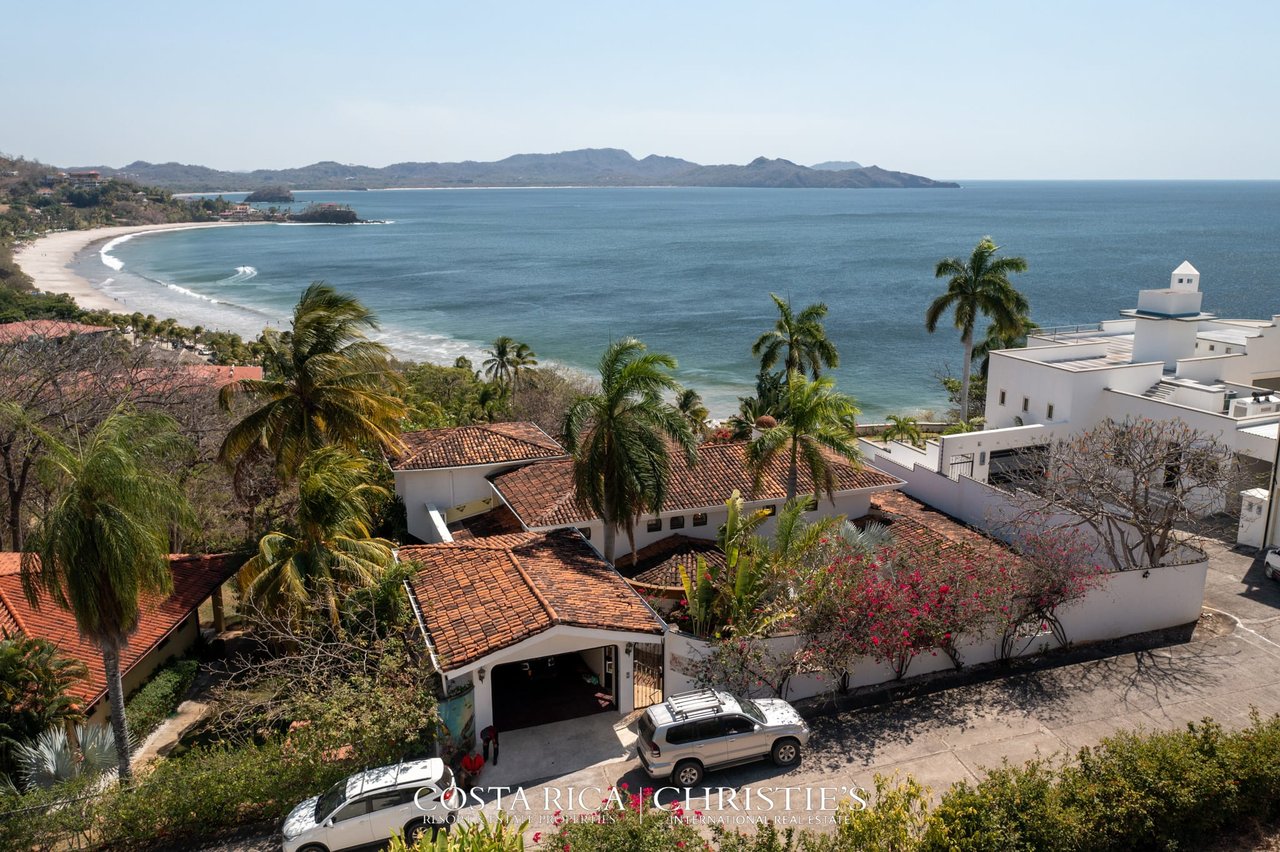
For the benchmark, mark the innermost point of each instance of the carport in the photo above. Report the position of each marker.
(538, 625)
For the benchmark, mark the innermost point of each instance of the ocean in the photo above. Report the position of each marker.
(689, 270)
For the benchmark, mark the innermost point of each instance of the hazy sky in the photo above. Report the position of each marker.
(966, 89)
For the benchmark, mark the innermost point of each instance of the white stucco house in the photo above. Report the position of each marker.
(1164, 359)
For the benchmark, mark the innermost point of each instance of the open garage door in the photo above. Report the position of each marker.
(541, 690)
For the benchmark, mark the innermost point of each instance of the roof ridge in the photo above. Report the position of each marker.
(13, 613)
(537, 593)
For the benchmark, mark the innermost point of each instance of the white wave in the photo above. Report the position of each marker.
(108, 258)
(242, 273)
(192, 293)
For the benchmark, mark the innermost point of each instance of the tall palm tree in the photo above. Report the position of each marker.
(689, 404)
(799, 341)
(521, 358)
(979, 285)
(104, 540)
(327, 383)
(817, 423)
(497, 366)
(621, 438)
(334, 549)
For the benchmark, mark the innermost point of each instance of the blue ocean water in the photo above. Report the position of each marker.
(689, 270)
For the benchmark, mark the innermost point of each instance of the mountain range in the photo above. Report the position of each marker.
(586, 167)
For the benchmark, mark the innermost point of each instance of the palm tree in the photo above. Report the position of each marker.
(104, 540)
(621, 438)
(817, 422)
(333, 549)
(34, 681)
(903, 428)
(1001, 338)
(689, 404)
(798, 340)
(498, 366)
(327, 384)
(979, 285)
(521, 358)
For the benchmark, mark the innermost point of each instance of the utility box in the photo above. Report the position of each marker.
(1253, 517)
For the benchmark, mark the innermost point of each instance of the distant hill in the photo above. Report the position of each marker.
(585, 167)
(836, 166)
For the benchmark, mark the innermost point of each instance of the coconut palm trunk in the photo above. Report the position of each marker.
(115, 697)
(966, 370)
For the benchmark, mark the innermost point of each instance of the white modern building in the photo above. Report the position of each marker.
(1162, 360)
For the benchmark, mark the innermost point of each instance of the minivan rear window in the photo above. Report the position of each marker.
(646, 728)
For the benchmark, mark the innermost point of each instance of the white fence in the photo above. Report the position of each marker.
(1129, 602)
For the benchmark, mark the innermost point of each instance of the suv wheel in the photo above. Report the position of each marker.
(688, 773)
(786, 752)
(418, 830)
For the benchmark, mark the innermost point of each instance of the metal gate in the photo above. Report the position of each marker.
(646, 678)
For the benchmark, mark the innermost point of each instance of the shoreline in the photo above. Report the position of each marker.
(48, 259)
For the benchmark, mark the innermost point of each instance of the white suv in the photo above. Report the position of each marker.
(413, 798)
(692, 732)
(1271, 564)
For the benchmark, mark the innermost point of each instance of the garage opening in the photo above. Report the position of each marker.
(548, 689)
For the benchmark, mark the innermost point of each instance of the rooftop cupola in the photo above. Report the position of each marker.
(1186, 278)
(1166, 320)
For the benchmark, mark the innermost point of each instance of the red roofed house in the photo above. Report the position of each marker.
(25, 331)
(535, 627)
(449, 478)
(167, 628)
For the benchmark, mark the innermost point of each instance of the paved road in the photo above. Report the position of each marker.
(1232, 662)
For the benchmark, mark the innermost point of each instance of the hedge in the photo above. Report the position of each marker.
(159, 698)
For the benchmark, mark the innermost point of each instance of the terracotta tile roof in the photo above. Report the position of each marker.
(922, 530)
(194, 579)
(499, 521)
(482, 595)
(489, 443)
(542, 494)
(659, 564)
(16, 332)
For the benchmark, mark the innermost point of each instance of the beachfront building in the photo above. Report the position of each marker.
(1166, 358)
(472, 481)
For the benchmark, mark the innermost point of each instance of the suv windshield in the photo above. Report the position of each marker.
(331, 800)
(753, 710)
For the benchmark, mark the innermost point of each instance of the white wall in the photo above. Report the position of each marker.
(1130, 602)
(443, 488)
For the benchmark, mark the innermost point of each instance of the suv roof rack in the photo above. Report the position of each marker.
(704, 702)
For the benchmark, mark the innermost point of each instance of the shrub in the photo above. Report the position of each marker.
(159, 697)
(502, 834)
(1014, 808)
(893, 821)
(628, 822)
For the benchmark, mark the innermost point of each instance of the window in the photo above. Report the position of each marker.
(1026, 403)
(1228, 350)
(1048, 411)
(770, 511)
(699, 519)
(1211, 347)
(655, 525)
(677, 523)
(586, 532)
(357, 808)
(731, 725)
(693, 731)
(395, 799)
(1002, 397)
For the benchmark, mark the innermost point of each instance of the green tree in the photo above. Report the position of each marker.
(34, 683)
(327, 384)
(523, 357)
(334, 550)
(505, 360)
(104, 540)
(689, 404)
(1002, 338)
(622, 437)
(798, 341)
(903, 428)
(817, 423)
(977, 286)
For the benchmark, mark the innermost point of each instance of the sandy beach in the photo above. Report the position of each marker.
(48, 260)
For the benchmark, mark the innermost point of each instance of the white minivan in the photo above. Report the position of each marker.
(413, 798)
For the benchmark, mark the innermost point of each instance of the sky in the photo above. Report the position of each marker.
(960, 90)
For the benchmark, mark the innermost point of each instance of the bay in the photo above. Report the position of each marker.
(689, 270)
